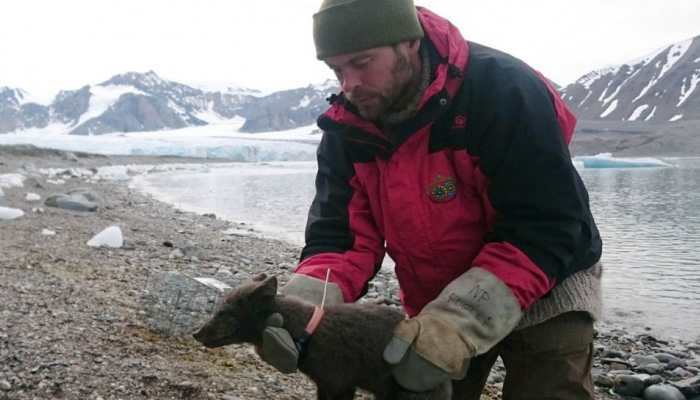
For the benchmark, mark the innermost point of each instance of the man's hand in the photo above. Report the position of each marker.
(472, 314)
(278, 347)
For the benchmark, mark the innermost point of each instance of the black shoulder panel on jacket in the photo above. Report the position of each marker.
(328, 226)
(542, 204)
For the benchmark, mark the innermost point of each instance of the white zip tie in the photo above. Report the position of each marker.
(325, 287)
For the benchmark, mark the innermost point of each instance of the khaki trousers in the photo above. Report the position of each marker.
(548, 361)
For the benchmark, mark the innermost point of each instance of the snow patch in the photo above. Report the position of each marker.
(610, 109)
(104, 97)
(585, 98)
(612, 96)
(674, 54)
(651, 114)
(327, 85)
(637, 112)
(304, 102)
(676, 117)
(685, 93)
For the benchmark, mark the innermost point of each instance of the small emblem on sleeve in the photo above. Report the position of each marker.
(442, 189)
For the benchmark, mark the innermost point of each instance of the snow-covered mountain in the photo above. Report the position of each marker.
(136, 102)
(660, 87)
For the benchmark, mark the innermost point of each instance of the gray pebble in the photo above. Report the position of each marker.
(663, 392)
(629, 385)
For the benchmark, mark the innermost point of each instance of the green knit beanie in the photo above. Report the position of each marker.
(346, 26)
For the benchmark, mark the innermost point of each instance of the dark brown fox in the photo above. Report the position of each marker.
(344, 353)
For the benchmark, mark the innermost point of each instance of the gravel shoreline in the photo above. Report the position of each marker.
(72, 320)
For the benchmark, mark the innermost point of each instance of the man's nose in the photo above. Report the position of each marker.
(350, 81)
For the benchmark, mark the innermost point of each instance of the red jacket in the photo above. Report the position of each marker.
(481, 176)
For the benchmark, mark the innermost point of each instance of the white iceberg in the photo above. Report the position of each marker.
(110, 237)
(606, 160)
(10, 213)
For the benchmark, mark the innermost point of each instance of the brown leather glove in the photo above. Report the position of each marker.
(472, 314)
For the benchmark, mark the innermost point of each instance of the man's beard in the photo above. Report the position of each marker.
(374, 104)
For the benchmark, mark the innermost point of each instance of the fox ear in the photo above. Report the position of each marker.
(267, 287)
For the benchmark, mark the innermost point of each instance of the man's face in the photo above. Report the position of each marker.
(374, 79)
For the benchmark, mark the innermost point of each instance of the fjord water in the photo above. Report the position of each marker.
(649, 219)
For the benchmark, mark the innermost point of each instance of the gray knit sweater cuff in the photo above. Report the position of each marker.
(579, 292)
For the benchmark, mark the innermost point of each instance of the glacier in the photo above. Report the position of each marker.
(212, 141)
(223, 140)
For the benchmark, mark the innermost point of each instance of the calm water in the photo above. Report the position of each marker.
(649, 220)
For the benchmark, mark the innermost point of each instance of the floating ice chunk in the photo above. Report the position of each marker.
(110, 237)
(606, 160)
(48, 232)
(32, 197)
(10, 213)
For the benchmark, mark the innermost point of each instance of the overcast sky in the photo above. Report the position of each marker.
(47, 45)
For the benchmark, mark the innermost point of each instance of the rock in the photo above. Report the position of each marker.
(7, 213)
(176, 254)
(667, 358)
(642, 360)
(33, 183)
(615, 361)
(681, 373)
(5, 385)
(32, 197)
(47, 232)
(75, 202)
(110, 237)
(603, 380)
(689, 387)
(663, 392)
(71, 157)
(611, 353)
(652, 368)
(629, 385)
(176, 304)
(653, 380)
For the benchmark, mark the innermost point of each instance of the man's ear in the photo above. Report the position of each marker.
(414, 45)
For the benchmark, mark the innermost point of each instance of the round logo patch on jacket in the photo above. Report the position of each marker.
(442, 189)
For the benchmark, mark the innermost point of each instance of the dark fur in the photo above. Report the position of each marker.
(344, 353)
